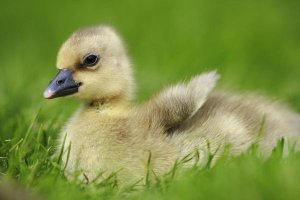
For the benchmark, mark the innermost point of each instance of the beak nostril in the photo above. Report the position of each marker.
(60, 82)
(62, 85)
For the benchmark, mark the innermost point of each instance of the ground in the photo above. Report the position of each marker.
(254, 45)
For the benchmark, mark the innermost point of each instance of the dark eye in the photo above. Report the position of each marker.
(90, 60)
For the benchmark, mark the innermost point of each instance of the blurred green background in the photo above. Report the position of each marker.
(255, 45)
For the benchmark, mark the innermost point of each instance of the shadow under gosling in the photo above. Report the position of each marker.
(108, 134)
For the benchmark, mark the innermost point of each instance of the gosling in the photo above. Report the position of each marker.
(108, 135)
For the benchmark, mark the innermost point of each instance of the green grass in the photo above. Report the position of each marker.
(255, 45)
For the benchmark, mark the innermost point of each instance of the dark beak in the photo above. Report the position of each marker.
(62, 85)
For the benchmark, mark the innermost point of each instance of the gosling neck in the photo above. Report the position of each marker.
(108, 103)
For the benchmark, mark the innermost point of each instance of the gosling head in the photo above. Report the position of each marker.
(93, 65)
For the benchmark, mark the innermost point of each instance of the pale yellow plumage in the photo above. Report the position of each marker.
(108, 134)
